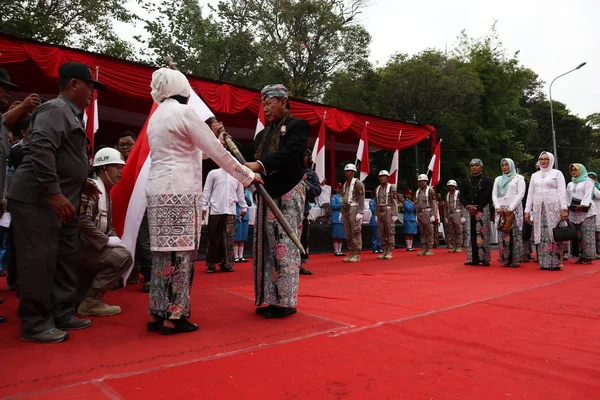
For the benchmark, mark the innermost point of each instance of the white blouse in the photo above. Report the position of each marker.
(177, 137)
(582, 191)
(549, 188)
(514, 194)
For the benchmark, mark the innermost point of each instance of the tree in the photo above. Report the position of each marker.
(307, 41)
(86, 24)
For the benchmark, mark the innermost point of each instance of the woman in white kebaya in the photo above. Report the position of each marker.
(508, 193)
(582, 212)
(547, 204)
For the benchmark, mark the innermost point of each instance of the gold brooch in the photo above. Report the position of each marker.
(283, 130)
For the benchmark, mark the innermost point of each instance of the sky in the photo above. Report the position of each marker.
(552, 37)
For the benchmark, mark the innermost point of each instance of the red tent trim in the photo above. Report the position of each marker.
(132, 80)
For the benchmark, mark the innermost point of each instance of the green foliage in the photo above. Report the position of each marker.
(482, 101)
(86, 24)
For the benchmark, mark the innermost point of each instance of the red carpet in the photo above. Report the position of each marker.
(410, 328)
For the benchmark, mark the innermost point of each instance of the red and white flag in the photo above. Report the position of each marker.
(395, 162)
(434, 165)
(260, 123)
(362, 155)
(319, 151)
(90, 121)
(129, 196)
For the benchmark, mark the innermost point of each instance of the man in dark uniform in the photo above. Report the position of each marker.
(44, 200)
(277, 153)
(312, 192)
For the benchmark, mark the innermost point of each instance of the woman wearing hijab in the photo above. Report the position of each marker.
(547, 204)
(596, 197)
(508, 193)
(582, 212)
(410, 219)
(178, 137)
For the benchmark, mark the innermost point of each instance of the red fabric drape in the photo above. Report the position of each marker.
(132, 80)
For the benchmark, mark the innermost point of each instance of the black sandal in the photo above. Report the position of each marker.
(181, 326)
(265, 310)
(225, 268)
(280, 312)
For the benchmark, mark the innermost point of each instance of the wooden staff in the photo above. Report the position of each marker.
(265, 195)
(259, 187)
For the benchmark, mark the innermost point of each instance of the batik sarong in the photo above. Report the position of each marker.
(171, 283)
(478, 237)
(510, 245)
(276, 257)
(550, 252)
(586, 232)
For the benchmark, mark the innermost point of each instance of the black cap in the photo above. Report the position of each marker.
(5, 80)
(78, 70)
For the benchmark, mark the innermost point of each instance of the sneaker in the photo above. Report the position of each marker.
(72, 323)
(97, 308)
(52, 335)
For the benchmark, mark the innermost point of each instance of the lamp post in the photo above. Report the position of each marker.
(552, 114)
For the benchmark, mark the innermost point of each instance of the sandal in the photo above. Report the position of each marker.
(225, 268)
(181, 326)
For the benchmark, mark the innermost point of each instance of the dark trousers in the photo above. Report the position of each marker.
(9, 262)
(47, 258)
(143, 255)
(304, 239)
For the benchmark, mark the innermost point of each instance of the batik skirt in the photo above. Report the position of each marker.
(171, 283)
(550, 252)
(276, 257)
(478, 237)
(586, 238)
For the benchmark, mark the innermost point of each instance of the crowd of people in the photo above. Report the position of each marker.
(524, 215)
(62, 254)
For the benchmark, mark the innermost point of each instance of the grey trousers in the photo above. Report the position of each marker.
(100, 270)
(47, 254)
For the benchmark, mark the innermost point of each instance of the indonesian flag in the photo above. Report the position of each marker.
(129, 196)
(90, 121)
(260, 123)
(395, 161)
(434, 165)
(362, 155)
(319, 151)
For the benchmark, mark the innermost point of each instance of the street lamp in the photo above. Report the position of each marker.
(552, 114)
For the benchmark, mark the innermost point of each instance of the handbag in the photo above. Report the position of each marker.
(564, 233)
(505, 223)
(577, 202)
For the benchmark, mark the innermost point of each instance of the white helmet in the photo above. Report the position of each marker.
(451, 182)
(423, 177)
(108, 156)
(384, 172)
(350, 167)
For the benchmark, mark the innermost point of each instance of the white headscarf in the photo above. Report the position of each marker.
(167, 83)
(544, 171)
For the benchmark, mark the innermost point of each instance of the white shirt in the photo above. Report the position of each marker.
(325, 196)
(514, 193)
(178, 137)
(582, 191)
(221, 193)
